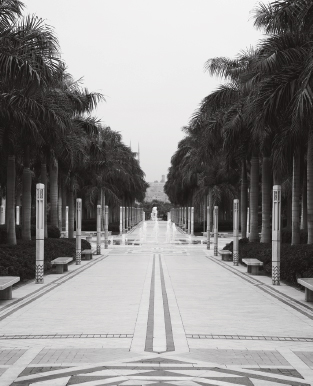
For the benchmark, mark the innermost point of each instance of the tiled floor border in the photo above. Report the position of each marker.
(248, 337)
(295, 304)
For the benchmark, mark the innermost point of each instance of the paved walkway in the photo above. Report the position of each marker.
(161, 311)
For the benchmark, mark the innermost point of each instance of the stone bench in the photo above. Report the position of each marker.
(61, 263)
(226, 255)
(87, 254)
(307, 283)
(253, 266)
(6, 283)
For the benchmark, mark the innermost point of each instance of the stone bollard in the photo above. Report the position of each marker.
(78, 231)
(189, 222)
(17, 215)
(192, 221)
(66, 222)
(215, 218)
(208, 245)
(106, 228)
(40, 232)
(276, 229)
(99, 229)
(236, 232)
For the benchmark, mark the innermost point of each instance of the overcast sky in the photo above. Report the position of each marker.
(147, 58)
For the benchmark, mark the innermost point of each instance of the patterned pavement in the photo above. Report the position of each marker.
(160, 310)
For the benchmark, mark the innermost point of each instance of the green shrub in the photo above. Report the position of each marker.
(296, 260)
(19, 260)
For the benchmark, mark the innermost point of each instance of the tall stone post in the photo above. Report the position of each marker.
(215, 222)
(66, 222)
(121, 220)
(276, 229)
(192, 221)
(248, 222)
(208, 230)
(40, 232)
(2, 215)
(78, 231)
(99, 229)
(106, 228)
(188, 220)
(17, 213)
(143, 215)
(236, 232)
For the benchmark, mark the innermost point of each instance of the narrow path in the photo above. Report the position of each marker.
(158, 312)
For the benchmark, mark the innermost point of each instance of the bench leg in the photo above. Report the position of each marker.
(59, 268)
(308, 295)
(6, 294)
(253, 269)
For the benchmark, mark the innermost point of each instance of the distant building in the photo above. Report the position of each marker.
(156, 191)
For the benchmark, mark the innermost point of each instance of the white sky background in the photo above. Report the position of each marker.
(147, 58)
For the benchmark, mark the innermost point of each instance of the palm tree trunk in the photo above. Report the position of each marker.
(102, 209)
(71, 210)
(266, 235)
(26, 198)
(210, 219)
(64, 203)
(295, 222)
(304, 206)
(244, 199)
(44, 180)
(11, 200)
(254, 199)
(53, 192)
(289, 212)
(310, 188)
(60, 206)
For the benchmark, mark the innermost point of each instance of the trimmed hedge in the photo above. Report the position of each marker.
(20, 259)
(296, 260)
(223, 226)
(90, 225)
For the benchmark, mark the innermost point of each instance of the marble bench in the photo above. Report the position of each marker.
(226, 255)
(61, 263)
(6, 283)
(253, 266)
(87, 254)
(307, 283)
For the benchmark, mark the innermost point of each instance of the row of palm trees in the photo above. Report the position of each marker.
(47, 132)
(256, 126)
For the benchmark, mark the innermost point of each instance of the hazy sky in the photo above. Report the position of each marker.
(147, 58)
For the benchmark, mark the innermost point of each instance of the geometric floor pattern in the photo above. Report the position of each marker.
(159, 371)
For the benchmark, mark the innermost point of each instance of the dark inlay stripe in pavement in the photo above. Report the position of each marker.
(65, 336)
(249, 337)
(167, 316)
(150, 324)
